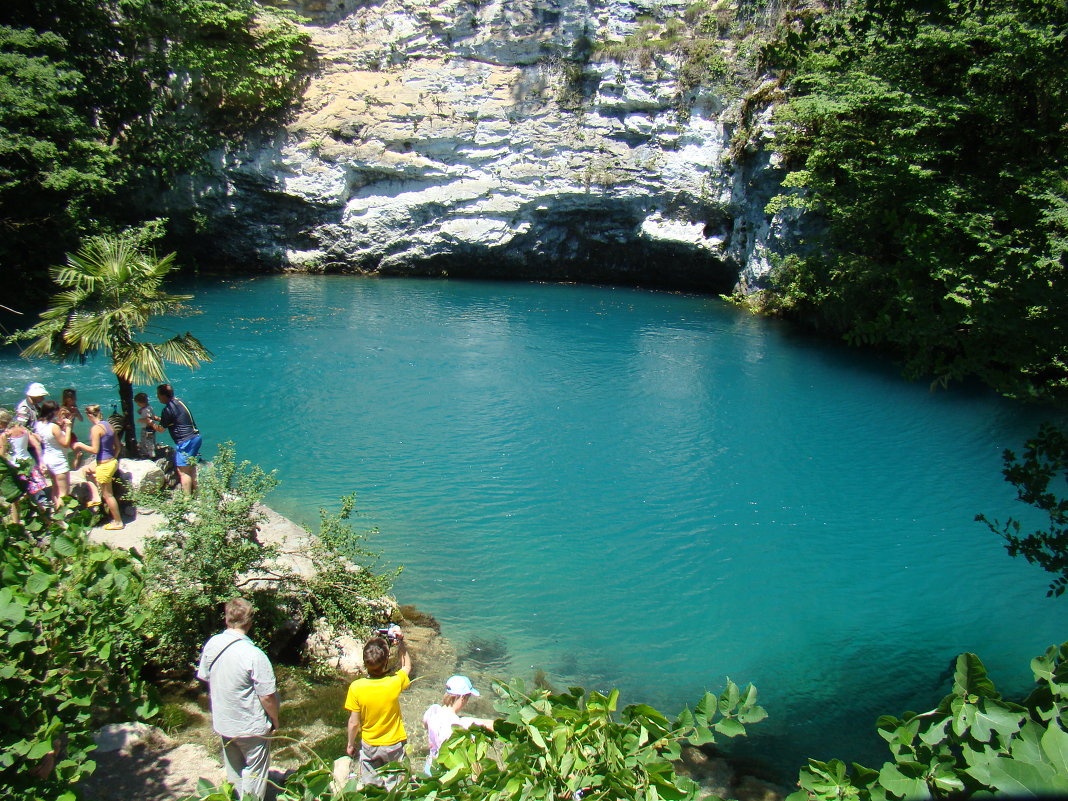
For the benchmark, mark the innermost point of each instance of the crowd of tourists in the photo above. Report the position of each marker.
(38, 438)
(246, 709)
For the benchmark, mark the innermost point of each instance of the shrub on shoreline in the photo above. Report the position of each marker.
(209, 552)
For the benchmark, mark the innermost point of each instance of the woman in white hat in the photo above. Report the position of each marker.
(441, 720)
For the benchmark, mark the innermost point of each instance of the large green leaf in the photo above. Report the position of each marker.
(899, 784)
(1055, 747)
(970, 678)
(12, 609)
(729, 727)
(37, 583)
(1019, 778)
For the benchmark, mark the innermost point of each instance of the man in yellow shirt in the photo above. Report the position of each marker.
(374, 706)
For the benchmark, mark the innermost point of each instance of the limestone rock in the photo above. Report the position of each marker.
(124, 736)
(142, 474)
(341, 652)
(444, 137)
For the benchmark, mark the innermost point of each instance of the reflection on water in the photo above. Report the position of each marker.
(634, 489)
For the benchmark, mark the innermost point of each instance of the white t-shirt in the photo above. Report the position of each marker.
(440, 722)
(55, 455)
(239, 676)
(143, 415)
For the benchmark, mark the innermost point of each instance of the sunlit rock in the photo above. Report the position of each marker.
(480, 139)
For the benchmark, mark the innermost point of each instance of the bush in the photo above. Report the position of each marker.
(211, 553)
(558, 745)
(201, 562)
(70, 622)
(974, 742)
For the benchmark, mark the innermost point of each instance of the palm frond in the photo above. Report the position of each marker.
(138, 363)
(90, 332)
(49, 346)
(185, 350)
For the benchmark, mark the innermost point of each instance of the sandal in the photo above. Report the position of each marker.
(114, 526)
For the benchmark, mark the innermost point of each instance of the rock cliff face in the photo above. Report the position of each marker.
(479, 138)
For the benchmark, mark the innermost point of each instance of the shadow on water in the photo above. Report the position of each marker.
(488, 654)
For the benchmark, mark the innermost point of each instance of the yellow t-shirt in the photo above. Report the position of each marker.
(376, 701)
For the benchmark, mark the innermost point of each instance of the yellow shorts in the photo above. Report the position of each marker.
(105, 471)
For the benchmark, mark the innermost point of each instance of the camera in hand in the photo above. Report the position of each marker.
(388, 633)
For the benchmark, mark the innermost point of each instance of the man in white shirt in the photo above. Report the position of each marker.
(244, 700)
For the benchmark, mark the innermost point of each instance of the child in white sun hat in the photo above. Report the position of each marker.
(441, 720)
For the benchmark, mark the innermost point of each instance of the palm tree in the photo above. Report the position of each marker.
(110, 290)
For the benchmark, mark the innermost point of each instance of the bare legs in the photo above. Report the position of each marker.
(187, 474)
(107, 491)
(90, 482)
(60, 486)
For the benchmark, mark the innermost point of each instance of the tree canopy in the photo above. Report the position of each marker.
(102, 101)
(931, 137)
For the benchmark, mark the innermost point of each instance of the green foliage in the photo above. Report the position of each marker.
(974, 742)
(694, 40)
(202, 560)
(227, 67)
(551, 745)
(53, 162)
(1045, 461)
(931, 139)
(344, 590)
(70, 622)
(103, 100)
(211, 552)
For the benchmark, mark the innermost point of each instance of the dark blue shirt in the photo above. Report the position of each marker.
(178, 421)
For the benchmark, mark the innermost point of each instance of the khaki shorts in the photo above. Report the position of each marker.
(105, 471)
(374, 757)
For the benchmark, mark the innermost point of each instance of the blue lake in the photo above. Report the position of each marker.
(634, 489)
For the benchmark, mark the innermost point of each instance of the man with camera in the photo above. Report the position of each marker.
(374, 706)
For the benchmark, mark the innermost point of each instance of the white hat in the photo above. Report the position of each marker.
(36, 390)
(460, 685)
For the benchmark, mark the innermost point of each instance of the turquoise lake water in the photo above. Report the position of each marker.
(634, 489)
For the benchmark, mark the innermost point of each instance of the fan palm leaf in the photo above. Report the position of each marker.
(109, 291)
(185, 350)
(139, 363)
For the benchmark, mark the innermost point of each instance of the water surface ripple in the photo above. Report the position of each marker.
(637, 489)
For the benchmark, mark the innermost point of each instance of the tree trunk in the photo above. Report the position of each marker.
(129, 428)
